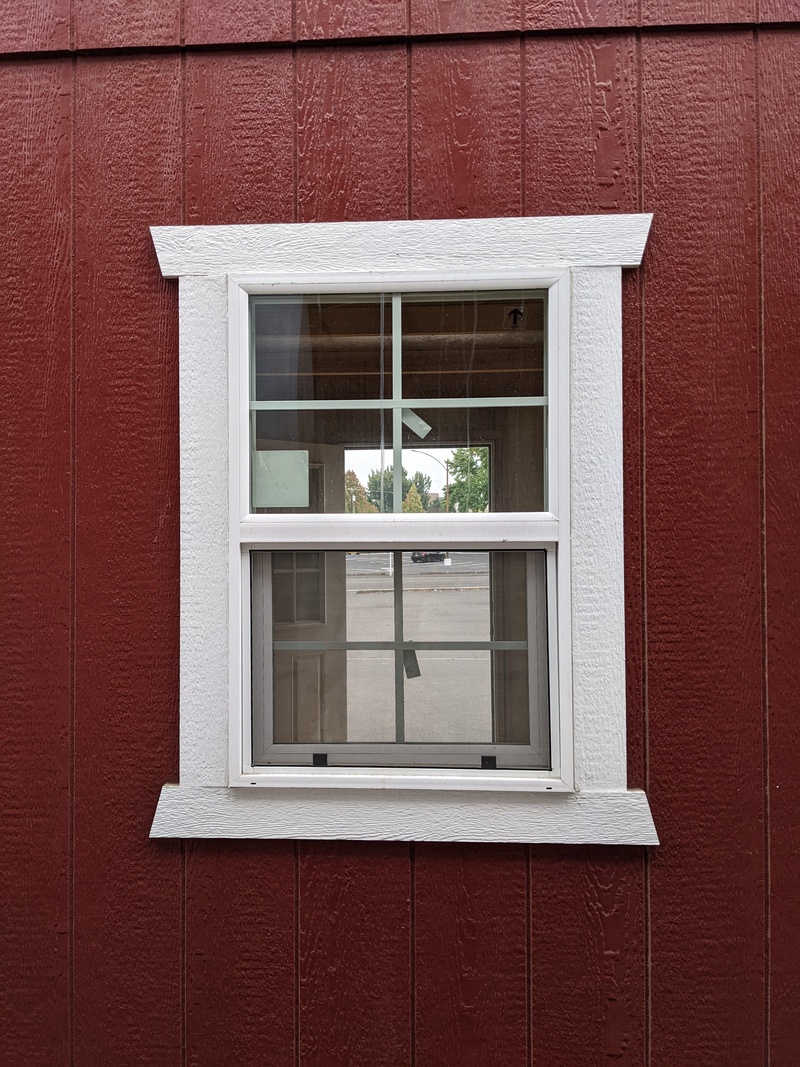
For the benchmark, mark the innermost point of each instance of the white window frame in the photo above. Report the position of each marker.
(405, 532)
(585, 796)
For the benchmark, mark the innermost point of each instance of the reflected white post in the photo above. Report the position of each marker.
(422, 452)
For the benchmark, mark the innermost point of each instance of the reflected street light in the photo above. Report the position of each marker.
(422, 452)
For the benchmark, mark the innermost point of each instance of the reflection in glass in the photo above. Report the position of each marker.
(321, 347)
(494, 458)
(327, 438)
(326, 373)
(370, 596)
(422, 647)
(451, 700)
(473, 345)
(446, 599)
(370, 696)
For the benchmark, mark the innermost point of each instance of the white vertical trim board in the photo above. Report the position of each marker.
(597, 579)
(204, 637)
(585, 797)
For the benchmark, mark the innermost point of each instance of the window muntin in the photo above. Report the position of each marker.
(334, 376)
(420, 661)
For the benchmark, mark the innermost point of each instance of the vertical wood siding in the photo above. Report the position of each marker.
(780, 225)
(35, 552)
(115, 949)
(127, 894)
(703, 529)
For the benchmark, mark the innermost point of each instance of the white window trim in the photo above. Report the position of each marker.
(587, 798)
(332, 531)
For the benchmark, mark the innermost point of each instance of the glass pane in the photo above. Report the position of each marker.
(446, 596)
(369, 481)
(478, 459)
(451, 699)
(370, 596)
(468, 344)
(321, 347)
(511, 693)
(370, 696)
(318, 617)
(309, 696)
(311, 461)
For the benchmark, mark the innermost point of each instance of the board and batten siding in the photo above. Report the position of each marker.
(116, 949)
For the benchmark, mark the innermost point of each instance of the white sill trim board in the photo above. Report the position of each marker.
(385, 804)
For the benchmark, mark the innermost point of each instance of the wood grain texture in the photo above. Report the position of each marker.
(465, 129)
(464, 16)
(239, 137)
(121, 24)
(470, 939)
(587, 936)
(35, 561)
(351, 134)
(778, 11)
(580, 125)
(204, 549)
(354, 954)
(608, 817)
(350, 18)
(597, 571)
(580, 14)
(240, 953)
(779, 67)
(34, 27)
(703, 549)
(127, 893)
(587, 956)
(446, 244)
(697, 12)
(236, 21)
(239, 898)
(633, 511)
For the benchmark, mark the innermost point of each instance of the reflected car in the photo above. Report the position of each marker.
(426, 557)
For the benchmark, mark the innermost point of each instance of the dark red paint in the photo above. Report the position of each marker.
(36, 596)
(127, 893)
(703, 528)
(780, 143)
(116, 949)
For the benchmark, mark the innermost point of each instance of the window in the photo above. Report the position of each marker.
(401, 558)
(360, 658)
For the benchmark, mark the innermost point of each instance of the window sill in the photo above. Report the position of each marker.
(450, 780)
(609, 817)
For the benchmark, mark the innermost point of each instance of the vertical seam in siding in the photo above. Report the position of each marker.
(763, 540)
(73, 408)
(528, 962)
(409, 131)
(295, 136)
(296, 951)
(644, 679)
(412, 930)
(183, 961)
(523, 124)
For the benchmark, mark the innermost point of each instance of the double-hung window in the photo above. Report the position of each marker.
(401, 531)
(432, 418)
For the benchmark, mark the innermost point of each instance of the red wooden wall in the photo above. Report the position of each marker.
(117, 115)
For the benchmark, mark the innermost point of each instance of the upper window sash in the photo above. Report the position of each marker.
(342, 530)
